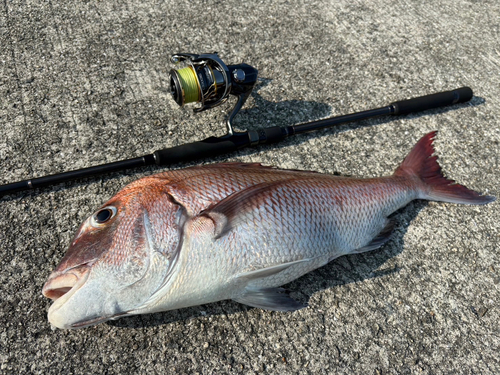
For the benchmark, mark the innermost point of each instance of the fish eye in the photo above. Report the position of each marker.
(103, 215)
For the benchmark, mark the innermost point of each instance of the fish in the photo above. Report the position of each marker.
(231, 231)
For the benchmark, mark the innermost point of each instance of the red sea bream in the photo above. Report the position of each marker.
(230, 231)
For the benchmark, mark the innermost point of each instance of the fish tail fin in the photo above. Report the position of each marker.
(421, 163)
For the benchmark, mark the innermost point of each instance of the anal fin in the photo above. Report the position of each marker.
(381, 239)
(275, 299)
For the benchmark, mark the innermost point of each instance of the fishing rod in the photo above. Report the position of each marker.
(207, 80)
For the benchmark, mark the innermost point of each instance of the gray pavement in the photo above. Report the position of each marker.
(83, 83)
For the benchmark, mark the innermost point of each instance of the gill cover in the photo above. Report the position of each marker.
(119, 257)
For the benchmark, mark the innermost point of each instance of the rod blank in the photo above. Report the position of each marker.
(214, 146)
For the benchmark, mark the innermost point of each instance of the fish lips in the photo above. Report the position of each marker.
(60, 287)
(72, 302)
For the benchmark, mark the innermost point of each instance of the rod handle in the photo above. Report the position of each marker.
(207, 148)
(441, 99)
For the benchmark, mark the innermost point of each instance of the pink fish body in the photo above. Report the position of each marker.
(230, 231)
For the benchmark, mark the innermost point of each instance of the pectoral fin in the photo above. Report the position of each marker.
(237, 208)
(275, 299)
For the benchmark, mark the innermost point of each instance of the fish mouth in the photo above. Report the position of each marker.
(60, 287)
(64, 285)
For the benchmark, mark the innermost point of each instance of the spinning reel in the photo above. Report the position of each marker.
(209, 81)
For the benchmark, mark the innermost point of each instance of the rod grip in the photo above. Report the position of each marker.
(209, 147)
(432, 101)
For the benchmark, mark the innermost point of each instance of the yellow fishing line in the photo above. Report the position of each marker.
(189, 84)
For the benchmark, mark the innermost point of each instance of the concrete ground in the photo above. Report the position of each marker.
(86, 82)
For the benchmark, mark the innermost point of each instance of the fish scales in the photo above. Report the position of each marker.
(230, 231)
(291, 228)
